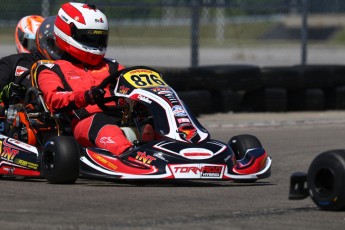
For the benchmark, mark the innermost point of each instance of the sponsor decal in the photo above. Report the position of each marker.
(187, 132)
(19, 71)
(25, 164)
(178, 111)
(7, 152)
(211, 171)
(105, 162)
(139, 71)
(10, 170)
(197, 171)
(183, 120)
(196, 153)
(227, 158)
(106, 140)
(74, 77)
(165, 92)
(161, 90)
(102, 160)
(123, 89)
(144, 158)
(160, 156)
(144, 99)
(23, 145)
(64, 18)
(99, 20)
(171, 98)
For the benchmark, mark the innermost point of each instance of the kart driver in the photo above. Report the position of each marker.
(34, 41)
(31, 48)
(70, 84)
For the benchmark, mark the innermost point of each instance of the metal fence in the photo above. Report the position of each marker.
(205, 32)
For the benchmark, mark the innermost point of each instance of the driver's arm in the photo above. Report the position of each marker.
(56, 96)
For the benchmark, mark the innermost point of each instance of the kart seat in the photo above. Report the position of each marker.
(38, 121)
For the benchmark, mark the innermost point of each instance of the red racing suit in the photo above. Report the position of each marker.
(64, 84)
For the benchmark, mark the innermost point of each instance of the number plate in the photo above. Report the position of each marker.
(144, 78)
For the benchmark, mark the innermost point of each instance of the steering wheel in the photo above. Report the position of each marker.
(102, 103)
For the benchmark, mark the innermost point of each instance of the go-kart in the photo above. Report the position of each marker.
(40, 144)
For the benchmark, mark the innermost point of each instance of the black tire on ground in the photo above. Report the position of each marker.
(179, 79)
(326, 180)
(266, 99)
(198, 101)
(224, 77)
(60, 160)
(338, 98)
(312, 99)
(241, 143)
(225, 100)
(316, 76)
(338, 75)
(315, 99)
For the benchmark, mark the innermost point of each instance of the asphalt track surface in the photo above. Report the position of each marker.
(291, 139)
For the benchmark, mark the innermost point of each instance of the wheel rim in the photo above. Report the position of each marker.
(324, 182)
(49, 159)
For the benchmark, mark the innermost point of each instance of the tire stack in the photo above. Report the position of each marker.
(335, 96)
(224, 88)
(212, 89)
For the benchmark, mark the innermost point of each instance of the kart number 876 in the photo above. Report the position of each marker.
(145, 80)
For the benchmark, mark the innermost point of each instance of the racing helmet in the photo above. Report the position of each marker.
(45, 40)
(26, 31)
(82, 30)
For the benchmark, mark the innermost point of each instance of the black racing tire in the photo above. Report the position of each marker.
(287, 77)
(326, 180)
(312, 99)
(226, 77)
(225, 100)
(241, 143)
(316, 76)
(60, 160)
(265, 99)
(198, 101)
(337, 98)
(179, 79)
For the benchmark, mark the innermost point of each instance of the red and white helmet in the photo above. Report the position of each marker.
(26, 32)
(82, 30)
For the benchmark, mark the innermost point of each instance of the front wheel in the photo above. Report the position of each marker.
(241, 143)
(326, 180)
(60, 160)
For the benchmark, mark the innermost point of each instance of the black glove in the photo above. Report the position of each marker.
(11, 92)
(94, 95)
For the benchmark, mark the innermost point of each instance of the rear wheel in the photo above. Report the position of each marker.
(60, 160)
(326, 180)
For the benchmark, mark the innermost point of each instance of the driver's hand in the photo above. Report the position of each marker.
(93, 95)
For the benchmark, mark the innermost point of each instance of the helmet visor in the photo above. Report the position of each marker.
(91, 38)
(28, 41)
